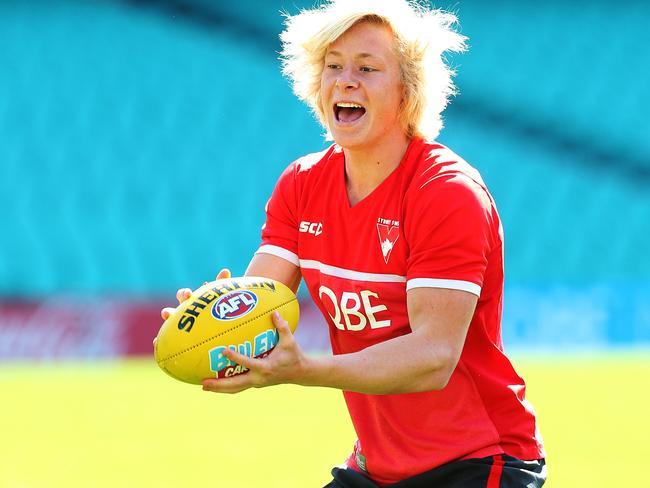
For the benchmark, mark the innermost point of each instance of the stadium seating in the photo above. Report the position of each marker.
(566, 66)
(139, 147)
(142, 147)
(564, 220)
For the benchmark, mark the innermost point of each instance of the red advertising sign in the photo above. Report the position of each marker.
(63, 328)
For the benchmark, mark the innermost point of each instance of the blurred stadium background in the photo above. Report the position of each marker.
(139, 142)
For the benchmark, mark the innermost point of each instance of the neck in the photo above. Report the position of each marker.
(367, 167)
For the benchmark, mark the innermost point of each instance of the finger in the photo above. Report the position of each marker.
(282, 325)
(245, 361)
(227, 385)
(166, 312)
(183, 294)
(224, 274)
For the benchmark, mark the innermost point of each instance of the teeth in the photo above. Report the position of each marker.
(348, 105)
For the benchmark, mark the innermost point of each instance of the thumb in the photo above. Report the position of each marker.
(284, 331)
(224, 274)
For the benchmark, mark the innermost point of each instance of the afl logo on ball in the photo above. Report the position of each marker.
(234, 305)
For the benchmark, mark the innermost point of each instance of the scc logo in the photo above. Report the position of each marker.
(315, 228)
(234, 305)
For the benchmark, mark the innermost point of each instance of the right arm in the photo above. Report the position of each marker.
(262, 265)
(275, 268)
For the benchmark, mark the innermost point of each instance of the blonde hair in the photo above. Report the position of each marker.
(422, 36)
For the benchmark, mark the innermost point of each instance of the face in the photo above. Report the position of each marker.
(361, 87)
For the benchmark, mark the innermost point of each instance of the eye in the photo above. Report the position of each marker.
(367, 69)
(333, 66)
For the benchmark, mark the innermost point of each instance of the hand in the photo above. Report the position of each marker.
(184, 293)
(285, 364)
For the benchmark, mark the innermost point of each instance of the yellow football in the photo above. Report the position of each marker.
(230, 313)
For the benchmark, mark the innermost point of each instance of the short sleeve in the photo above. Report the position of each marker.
(280, 230)
(450, 229)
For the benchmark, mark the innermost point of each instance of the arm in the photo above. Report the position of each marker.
(421, 361)
(275, 268)
(263, 265)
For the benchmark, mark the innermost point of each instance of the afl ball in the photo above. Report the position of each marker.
(230, 313)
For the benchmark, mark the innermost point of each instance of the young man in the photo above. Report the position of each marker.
(405, 261)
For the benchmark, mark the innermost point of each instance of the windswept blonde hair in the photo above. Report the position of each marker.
(422, 36)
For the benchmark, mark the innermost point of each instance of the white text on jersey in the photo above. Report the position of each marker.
(315, 228)
(353, 304)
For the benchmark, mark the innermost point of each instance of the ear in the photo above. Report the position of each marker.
(402, 108)
(405, 97)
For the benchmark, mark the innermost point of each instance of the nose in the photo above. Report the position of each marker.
(346, 79)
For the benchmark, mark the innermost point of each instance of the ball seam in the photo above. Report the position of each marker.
(198, 344)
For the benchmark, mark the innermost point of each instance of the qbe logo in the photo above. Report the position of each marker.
(234, 305)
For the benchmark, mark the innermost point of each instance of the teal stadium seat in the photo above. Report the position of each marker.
(566, 66)
(564, 220)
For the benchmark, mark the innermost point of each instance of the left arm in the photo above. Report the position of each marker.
(420, 361)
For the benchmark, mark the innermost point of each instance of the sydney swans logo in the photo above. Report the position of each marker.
(388, 234)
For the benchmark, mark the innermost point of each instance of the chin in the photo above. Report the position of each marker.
(348, 140)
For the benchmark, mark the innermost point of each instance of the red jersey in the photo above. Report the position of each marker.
(430, 223)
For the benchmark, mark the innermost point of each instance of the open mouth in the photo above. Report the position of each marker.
(347, 112)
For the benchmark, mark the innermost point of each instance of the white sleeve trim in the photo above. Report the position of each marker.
(280, 252)
(438, 283)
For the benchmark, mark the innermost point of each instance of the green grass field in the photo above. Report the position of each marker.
(127, 424)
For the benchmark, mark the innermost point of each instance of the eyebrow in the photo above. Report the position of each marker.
(358, 56)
